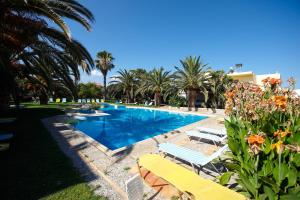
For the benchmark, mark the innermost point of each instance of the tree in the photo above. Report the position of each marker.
(219, 82)
(192, 77)
(157, 81)
(140, 75)
(104, 64)
(127, 83)
(114, 92)
(89, 90)
(31, 48)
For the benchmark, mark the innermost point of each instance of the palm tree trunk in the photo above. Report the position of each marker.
(43, 99)
(157, 98)
(104, 84)
(4, 102)
(192, 99)
(214, 105)
(6, 86)
(127, 96)
(131, 95)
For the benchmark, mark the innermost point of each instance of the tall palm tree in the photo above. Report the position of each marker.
(29, 45)
(127, 83)
(192, 78)
(158, 81)
(104, 64)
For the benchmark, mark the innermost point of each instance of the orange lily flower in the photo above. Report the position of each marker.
(281, 134)
(280, 101)
(256, 139)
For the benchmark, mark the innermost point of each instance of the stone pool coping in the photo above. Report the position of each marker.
(169, 110)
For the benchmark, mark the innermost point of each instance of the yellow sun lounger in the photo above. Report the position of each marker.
(186, 181)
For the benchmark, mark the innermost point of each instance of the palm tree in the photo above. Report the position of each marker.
(30, 48)
(89, 90)
(219, 82)
(158, 81)
(127, 83)
(192, 78)
(104, 64)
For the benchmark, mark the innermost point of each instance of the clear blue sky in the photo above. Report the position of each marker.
(264, 35)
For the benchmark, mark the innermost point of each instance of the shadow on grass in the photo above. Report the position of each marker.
(34, 167)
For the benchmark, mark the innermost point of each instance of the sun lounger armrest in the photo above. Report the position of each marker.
(218, 153)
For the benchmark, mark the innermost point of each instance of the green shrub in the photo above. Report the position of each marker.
(177, 101)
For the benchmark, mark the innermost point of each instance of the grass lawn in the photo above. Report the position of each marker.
(35, 167)
(50, 105)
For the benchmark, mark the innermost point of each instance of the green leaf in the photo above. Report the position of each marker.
(267, 148)
(224, 179)
(267, 168)
(292, 177)
(262, 196)
(296, 160)
(232, 166)
(247, 184)
(269, 192)
(290, 197)
(234, 147)
(280, 173)
(296, 138)
(271, 182)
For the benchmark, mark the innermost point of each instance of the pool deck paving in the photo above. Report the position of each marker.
(112, 171)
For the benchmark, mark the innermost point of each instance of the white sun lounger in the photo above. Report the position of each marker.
(211, 130)
(50, 100)
(79, 117)
(207, 136)
(64, 100)
(88, 101)
(97, 101)
(79, 101)
(193, 157)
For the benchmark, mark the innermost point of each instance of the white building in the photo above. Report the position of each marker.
(252, 77)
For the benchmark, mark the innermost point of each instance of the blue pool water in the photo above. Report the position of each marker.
(125, 126)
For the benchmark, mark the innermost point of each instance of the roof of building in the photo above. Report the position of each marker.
(241, 73)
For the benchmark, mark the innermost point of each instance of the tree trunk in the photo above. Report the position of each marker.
(4, 102)
(43, 99)
(104, 84)
(192, 94)
(157, 98)
(214, 105)
(127, 97)
(6, 86)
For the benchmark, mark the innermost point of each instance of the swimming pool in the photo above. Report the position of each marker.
(126, 126)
